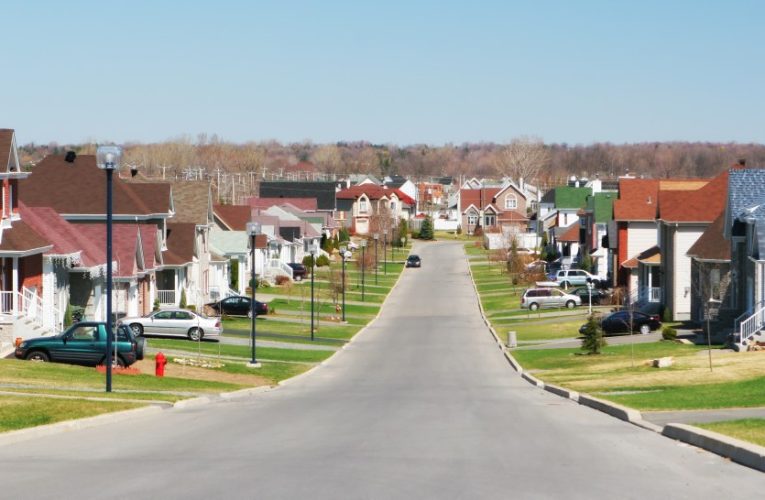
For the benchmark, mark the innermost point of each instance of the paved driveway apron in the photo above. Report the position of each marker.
(421, 405)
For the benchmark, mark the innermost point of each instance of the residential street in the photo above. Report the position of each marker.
(420, 405)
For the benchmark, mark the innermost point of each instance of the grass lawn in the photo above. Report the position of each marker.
(688, 384)
(748, 429)
(243, 351)
(562, 328)
(277, 328)
(21, 412)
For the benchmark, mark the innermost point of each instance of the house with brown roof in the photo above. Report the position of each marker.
(497, 210)
(368, 208)
(683, 217)
(75, 188)
(710, 275)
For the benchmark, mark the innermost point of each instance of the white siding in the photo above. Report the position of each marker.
(685, 237)
(641, 236)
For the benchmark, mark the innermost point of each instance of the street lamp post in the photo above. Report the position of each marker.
(385, 253)
(253, 230)
(344, 254)
(363, 265)
(313, 250)
(108, 159)
(376, 236)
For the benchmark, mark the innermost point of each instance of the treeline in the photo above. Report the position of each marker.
(211, 154)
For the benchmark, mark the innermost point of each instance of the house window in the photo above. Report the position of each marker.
(393, 206)
(489, 220)
(472, 220)
(511, 202)
(362, 205)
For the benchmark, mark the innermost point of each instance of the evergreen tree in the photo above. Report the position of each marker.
(593, 340)
(426, 230)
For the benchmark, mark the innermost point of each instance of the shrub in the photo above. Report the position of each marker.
(322, 260)
(308, 262)
(182, 303)
(281, 279)
(191, 307)
(415, 234)
(156, 304)
(459, 230)
(426, 230)
(668, 333)
(68, 315)
(344, 235)
(593, 341)
(666, 315)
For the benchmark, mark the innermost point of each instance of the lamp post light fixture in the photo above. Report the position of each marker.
(313, 249)
(108, 159)
(344, 255)
(253, 230)
(376, 237)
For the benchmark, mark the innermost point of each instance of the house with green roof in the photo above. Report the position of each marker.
(558, 214)
(594, 220)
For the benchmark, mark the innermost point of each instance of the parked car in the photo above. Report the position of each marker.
(238, 305)
(413, 261)
(83, 343)
(575, 277)
(626, 321)
(534, 298)
(175, 322)
(299, 272)
(598, 296)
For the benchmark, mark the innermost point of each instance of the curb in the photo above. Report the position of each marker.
(560, 391)
(738, 451)
(11, 437)
(613, 409)
(190, 403)
(533, 380)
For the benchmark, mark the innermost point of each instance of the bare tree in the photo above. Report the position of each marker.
(523, 158)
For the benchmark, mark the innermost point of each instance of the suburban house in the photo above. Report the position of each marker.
(501, 208)
(407, 187)
(710, 276)
(744, 228)
(683, 217)
(367, 208)
(560, 206)
(634, 234)
(60, 182)
(323, 192)
(594, 220)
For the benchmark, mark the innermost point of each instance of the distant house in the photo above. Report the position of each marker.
(323, 192)
(559, 208)
(499, 208)
(594, 220)
(366, 208)
(406, 186)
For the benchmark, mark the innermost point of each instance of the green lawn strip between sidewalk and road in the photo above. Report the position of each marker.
(240, 326)
(564, 328)
(747, 429)
(17, 412)
(242, 351)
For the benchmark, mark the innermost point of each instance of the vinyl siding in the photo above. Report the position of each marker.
(684, 238)
(641, 236)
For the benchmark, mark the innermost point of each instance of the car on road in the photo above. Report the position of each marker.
(413, 261)
(627, 321)
(175, 322)
(573, 277)
(83, 343)
(299, 272)
(543, 297)
(598, 296)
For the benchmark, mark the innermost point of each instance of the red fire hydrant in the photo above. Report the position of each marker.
(159, 364)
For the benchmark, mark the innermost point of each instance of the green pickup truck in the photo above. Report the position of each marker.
(84, 343)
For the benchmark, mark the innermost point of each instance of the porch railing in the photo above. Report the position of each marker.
(166, 297)
(752, 325)
(654, 294)
(29, 304)
(6, 302)
(275, 267)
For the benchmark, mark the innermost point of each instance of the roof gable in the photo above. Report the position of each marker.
(323, 192)
(712, 244)
(701, 205)
(746, 188)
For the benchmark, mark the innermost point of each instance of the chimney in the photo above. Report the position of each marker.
(742, 162)
(70, 156)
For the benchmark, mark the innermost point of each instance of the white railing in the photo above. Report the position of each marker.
(752, 325)
(6, 302)
(275, 267)
(166, 297)
(744, 315)
(654, 294)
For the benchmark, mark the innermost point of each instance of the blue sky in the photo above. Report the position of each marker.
(387, 72)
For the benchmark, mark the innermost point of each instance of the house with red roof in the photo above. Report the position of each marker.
(21, 250)
(494, 208)
(75, 188)
(683, 216)
(368, 208)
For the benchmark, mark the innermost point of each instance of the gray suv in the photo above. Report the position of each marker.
(534, 298)
(575, 277)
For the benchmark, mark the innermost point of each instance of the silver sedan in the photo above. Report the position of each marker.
(175, 322)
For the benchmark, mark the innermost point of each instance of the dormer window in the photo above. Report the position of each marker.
(363, 205)
(511, 203)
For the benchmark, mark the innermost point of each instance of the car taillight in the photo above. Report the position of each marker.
(655, 318)
(217, 324)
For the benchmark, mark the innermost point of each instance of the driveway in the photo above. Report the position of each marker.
(421, 405)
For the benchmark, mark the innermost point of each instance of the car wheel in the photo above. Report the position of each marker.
(139, 348)
(137, 329)
(645, 329)
(570, 304)
(38, 356)
(298, 278)
(196, 334)
(533, 306)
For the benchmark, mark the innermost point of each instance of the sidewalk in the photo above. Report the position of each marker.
(702, 416)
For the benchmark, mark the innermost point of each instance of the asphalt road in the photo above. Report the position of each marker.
(421, 405)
